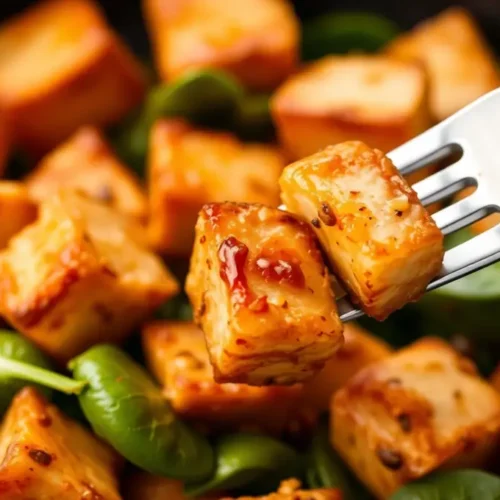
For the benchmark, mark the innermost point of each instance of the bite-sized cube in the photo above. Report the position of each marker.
(86, 162)
(460, 64)
(45, 455)
(61, 67)
(17, 210)
(422, 408)
(360, 349)
(290, 490)
(177, 355)
(189, 167)
(380, 240)
(342, 98)
(261, 294)
(80, 275)
(254, 40)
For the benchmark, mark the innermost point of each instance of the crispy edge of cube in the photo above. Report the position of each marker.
(89, 143)
(29, 409)
(293, 120)
(388, 470)
(360, 349)
(247, 368)
(260, 69)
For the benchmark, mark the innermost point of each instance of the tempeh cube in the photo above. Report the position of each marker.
(80, 275)
(261, 294)
(257, 41)
(425, 407)
(46, 455)
(380, 240)
(177, 355)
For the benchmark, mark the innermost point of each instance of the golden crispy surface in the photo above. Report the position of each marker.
(61, 66)
(360, 349)
(446, 45)
(255, 40)
(380, 240)
(422, 408)
(261, 294)
(290, 490)
(46, 455)
(177, 355)
(80, 275)
(17, 210)
(342, 98)
(189, 167)
(87, 163)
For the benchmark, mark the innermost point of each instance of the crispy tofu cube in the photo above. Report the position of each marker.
(261, 294)
(290, 490)
(86, 162)
(46, 455)
(189, 167)
(343, 98)
(360, 349)
(380, 240)
(177, 355)
(61, 67)
(17, 210)
(254, 40)
(460, 64)
(423, 408)
(80, 275)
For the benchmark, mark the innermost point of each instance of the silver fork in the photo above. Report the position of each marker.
(475, 130)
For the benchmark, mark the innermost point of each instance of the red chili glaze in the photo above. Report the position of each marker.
(232, 256)
(212, 211)
(281, 267)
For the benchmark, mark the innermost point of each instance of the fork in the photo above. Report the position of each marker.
(474, 131)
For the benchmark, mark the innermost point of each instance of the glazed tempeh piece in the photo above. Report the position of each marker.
(254, 40)
(261, 294)
(81, 274)
(423, 408)
(44, 454)
(177, 355)
(379, 238)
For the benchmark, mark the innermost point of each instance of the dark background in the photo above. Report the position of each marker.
(125, 15)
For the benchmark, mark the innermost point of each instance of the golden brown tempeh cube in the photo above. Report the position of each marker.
(254, 40)
(176, 353)
(343, 98)
(380, 240)
(189, 167)
(61, 67)
(46, 455)
(290, 490)
(460, 64)
(86, 162)
(422, 408)
(361, 348)
(80, 275)
(17, 210)
(261, 294)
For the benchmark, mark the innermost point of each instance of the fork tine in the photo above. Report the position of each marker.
(420, 151)
(462, 213)
(471, 256)
(445, 182)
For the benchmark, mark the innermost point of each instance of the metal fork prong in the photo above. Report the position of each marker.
(461, 213)
(420, 151)
(471, 256)
(346, 310)
(445, 182)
